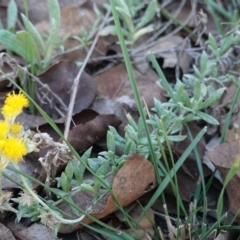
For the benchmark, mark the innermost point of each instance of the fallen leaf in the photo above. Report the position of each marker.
(5, 233)
(30, 165)
(37, 232)
(223, 157)
(144, 228)
(114, 84)
(60, 78)
(126, 188)
(81, 137)
(73, 20)
(163, 49)
(40, 13)
(188, 16)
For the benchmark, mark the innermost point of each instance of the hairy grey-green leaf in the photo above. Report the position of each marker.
(207, 118)
(203, 63)
(110, 142)
(12, 12)
(148, 14)
(64, 182)
(10, 41)
(213, 98)
(34, 33)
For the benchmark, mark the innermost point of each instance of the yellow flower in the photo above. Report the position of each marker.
(4, 128)
(16, 129)
(14, 149)
(2, 142)
(13, 105)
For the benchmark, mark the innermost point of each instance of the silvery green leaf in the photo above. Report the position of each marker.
(59, 192)
(88, 188)
(179, 85)
(177, 127)
(123, 7)
(64, 182)
(127, 18)
(21, 212)
(110, 142)
(132, 133)
(77, 171)
(103, 169)
(34, 33)
(185, 99)
(92, 164)
(176, 97)
(213, 98)
(12, 12)
(10, 41)
(188, 118)
(54, 13)
(142, 31)
(176, 138)
(197, 73)
(69, 170)
(111, 157)
(211, 68)
(197, 90)
(212, 43)
(132, 122)
(203, 90)
(148, 15)
(110, 29)
(32, 54)
(83, 162)
(207, 118)
(225, 44)
(203, 63)
(141, 128)
(128, 146)
(117, 137)
(157, 106)
(133, 148)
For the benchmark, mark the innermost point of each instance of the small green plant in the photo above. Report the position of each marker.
(128, 10)
(28, 43)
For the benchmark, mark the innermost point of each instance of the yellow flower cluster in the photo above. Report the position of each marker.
(12, 146)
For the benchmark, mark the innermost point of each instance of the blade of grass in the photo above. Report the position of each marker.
(178, 164)
(228, 119)
(134, 85)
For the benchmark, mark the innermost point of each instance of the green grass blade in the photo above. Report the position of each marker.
(134, 85)
(178, 164)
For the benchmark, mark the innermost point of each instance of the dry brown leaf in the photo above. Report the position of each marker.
(30, 166)
(5, 233)
(60, 78)
(37, 231)
(73, 19)
(145, 228)
(187, 11)
(40, 13)
(171, 58)
(114, 84)
(126, 188)
(81, 137)
(223, 157)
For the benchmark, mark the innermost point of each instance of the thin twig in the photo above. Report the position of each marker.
(77, 79)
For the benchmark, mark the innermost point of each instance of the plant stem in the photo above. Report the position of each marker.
(0, 183)
(36, 197)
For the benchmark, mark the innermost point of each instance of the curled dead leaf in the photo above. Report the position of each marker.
(134, 179)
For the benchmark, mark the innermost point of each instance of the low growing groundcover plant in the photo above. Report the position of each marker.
(157, 162)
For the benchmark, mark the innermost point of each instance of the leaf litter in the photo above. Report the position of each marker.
(106, 78)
